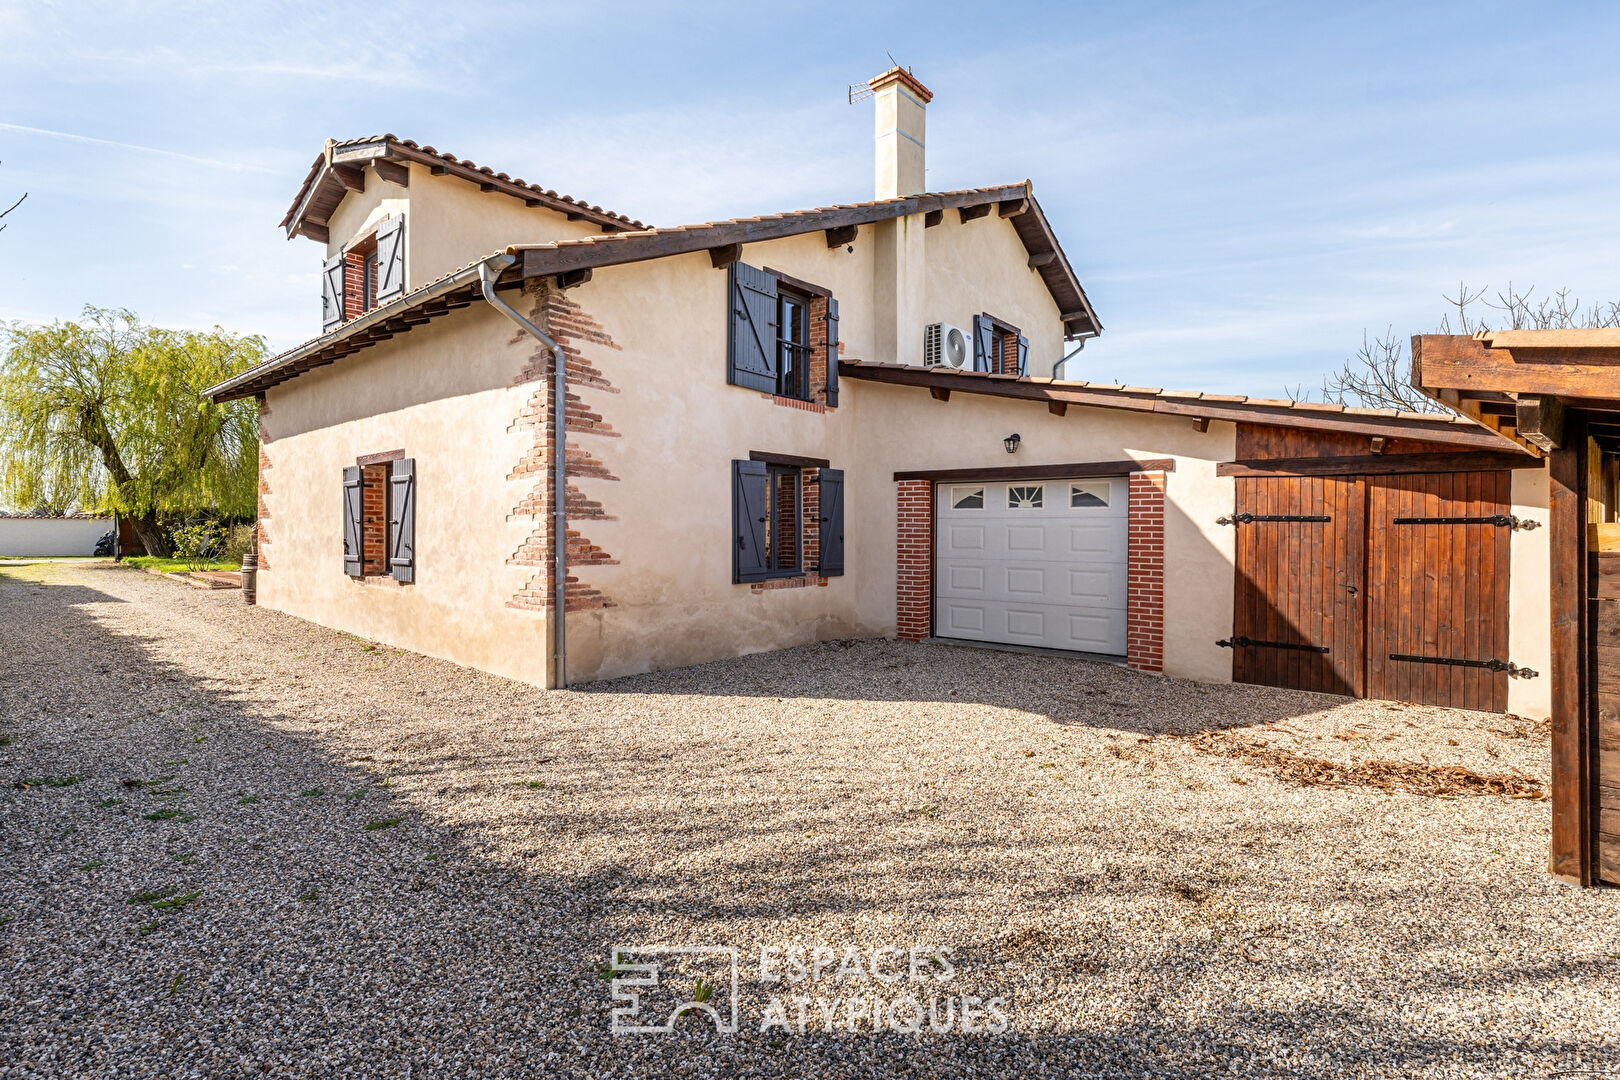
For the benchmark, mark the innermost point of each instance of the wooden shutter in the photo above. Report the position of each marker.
(832, 522)
(1023, 356)
(984, 343)
(402, 520)
(832, 351)
(390, 260)
(750, 506)
(751, 350)
(353, 555)
(332, 293)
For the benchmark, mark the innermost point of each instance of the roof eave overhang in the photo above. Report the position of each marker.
(450, 293)
(1194, 406)
(360, 153)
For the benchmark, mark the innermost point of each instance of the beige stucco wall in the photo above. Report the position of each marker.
(1529, 598)
(958, 287)
(448, 222)
(444, 395)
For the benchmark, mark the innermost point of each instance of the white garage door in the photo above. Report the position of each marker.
(1039, 562)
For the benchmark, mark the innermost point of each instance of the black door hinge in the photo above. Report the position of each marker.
(1238, 640)
(1501, 521)
(1247, 519)
(1493, 664)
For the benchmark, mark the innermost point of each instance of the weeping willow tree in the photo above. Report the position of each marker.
(106, 414)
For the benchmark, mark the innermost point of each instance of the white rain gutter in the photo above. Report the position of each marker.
(489, 271)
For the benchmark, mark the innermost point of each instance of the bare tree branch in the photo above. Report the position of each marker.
(1379, 376)
(12, 207)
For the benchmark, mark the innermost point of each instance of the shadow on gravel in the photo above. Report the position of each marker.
(340, 928)
(1063, 689)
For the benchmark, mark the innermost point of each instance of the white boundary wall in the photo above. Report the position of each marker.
(51, 536)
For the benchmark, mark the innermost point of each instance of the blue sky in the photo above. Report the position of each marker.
(1243, 187)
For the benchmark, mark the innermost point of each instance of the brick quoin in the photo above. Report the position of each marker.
(914, 578)
(1144, 586)
(261, 535)
(572, 327)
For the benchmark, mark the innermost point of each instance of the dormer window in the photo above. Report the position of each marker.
(369, 272)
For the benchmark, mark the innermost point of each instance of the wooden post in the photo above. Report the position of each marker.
(1570, 858)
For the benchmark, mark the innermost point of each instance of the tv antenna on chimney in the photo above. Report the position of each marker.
(859, 92)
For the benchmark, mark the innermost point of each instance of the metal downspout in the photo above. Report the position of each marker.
(489, 271)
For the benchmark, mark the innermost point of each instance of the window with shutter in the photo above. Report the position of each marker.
(999, 347)
(752, 344)
(750, 518)
(390, 273)
(984, 343)
(332, 293)
(402, 520)
(832, 522)
(353, 543)
(832, 351)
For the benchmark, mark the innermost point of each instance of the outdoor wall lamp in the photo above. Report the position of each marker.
(1011, 442)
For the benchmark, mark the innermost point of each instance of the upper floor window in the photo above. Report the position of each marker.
(999, 347)
(782, 336)
(792, 344)
(369, 272)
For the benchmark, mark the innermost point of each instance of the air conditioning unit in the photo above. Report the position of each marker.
(945, 345)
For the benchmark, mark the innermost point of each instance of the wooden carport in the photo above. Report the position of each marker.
(1558, 392)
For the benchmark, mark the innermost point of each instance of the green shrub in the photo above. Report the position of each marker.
(238, 542)
(199, 543)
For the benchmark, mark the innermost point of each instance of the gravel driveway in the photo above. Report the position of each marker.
(239, 845)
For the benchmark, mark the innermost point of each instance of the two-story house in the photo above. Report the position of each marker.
(855, 420)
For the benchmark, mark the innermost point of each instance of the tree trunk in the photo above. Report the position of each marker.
(151, 535)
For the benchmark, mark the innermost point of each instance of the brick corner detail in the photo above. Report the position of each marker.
(1144, 589)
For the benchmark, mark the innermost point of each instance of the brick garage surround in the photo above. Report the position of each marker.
(914, 579)
(1144, 593)
(573, 329)
(1144, 588)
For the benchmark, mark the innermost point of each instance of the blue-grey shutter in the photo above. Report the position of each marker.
(984, 343)
(832, 351)
(331, 293)
(751, 343)
(402, 520)
(353, 556)
(750, 506)
(390, 259)
(1023, 356)
(832, 522)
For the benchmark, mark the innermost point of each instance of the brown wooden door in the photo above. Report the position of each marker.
(1300, 583)
(1437, 591)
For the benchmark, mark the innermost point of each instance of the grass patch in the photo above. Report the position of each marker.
(5, 740)
(152, 896)
(93, 864)
(312, 793)
(164, 814)
(104, 803)
(173, 566)
(384, 823)
(49, 781)
(312, 895)
(247, 800)
(176, 903)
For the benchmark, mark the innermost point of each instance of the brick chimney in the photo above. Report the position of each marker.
(902, 107)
